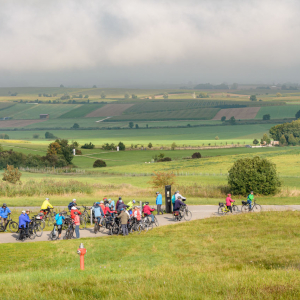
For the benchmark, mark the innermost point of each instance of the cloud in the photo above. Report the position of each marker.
(217, 38)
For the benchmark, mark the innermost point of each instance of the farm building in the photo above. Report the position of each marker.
(44, 116)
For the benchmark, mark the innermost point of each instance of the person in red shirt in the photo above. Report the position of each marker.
(77, 223)
(228, 202)
(107, 210)
(147, 210)
(73, 210)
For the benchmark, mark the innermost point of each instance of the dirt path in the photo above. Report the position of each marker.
(198, 211)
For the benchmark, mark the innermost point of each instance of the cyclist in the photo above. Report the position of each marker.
(130, 204)
(159, 203)
(4, 212)
(229, 202)
(99, 214)
(174, 198)
(45, 208)
(178, 204)
(147, 210)
(23, 220)
(118, 202)
(111, 203)
(136, 214)
(121, 205)
(250, 199)
(59, 221)
(71, 204)
(73, 210)
(107, 210)
(102, 205)
(124, 220)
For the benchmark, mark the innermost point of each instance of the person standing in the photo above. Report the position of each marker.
(147, 210)
(77, 223)
(229, 202)
(117, 204)
(99, 214)
(159, 203)
(59, 221)
(250, 199)
(124, 221)
(4, 212)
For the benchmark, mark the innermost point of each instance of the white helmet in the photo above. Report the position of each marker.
(73, 207)
(74, 200)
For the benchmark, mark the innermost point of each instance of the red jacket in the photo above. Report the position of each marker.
(72, 213)
(228, 201)
(106, 209)
(148, 210)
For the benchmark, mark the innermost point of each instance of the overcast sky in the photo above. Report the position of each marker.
(130, 42)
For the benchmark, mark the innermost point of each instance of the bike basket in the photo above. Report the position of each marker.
(244, 202)
(176, 213)
(221, 204)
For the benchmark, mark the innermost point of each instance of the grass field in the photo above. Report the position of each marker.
(278, 112)
(194, 260)
(81, 111)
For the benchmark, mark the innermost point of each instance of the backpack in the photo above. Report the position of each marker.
(173, 199)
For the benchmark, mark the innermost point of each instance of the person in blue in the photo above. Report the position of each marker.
(159, 203)
(59, 221)
(111, 203)
(23, 221)
(99, 214)
(4, 212)
(71, 204)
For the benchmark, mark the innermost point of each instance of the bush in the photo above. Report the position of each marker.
(150, 145)
(266, 117)
(216, 138)
(75, 126)
(253, 174)
(49, 135)
(253, 98)
(255, 141)
(11, 174)
(4, 136)
(164, 159)
(161, 179)
(121, 146)
(99, 163)
(78, 152)
(88, 146)
(107, 146)
(196, 155)
(35, 136)
(223, 119)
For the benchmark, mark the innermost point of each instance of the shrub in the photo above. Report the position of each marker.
(196, 155)
(253, 98)
(11, 174)
(161, 179)
(78, 152)
(107, 146)
(121, 146)
(173, 146)
(49, 135)
(223, 118)
(4, 136)
(255, 141)
(88, 146)
(150, 145)
(99, 163)
(164, 159)
(75, 126)
(216, 138)
(282, 140)
(35, 136)
(253, 174)
(266, 117)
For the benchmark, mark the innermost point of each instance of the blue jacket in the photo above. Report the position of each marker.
(23, 220)
(159, 199)
(59, 219)
(112, 203)
(98, 211)
(71, 204)
(4, 212)
(27, 218)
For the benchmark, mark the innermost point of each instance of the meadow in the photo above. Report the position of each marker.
(195, 260)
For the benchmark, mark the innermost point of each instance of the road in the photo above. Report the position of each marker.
(198, 211)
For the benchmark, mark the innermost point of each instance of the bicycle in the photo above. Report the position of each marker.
(49, 217)
(246, 207)
(25, 233)
(185, 213)
(70, 230)
(36, 226)
(85, 214)
(12, 225)
(54, 233)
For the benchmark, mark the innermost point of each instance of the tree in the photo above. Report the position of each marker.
(253, 98)
(103, 95)
(203, 95)
(291, 140)
(278, 95)
(282, 140)
(266, 117)
(150, 145)
(133, 96)
(216, 138)
(35, 136)
(265, 137)
(131, 124)
(161, 179)
(253, 174)
(297, 114)
(86, 96)
(136, 126)
(126, 96)
(223, 119)
(49, 135)
(11, 174)
(99, 163)
(88, 146)
(234, 86)
(94, 86)
(196, 155)
(121, 146)
(147, 126)
(285, 129)
(75, 126)
(232, 121)
(255, 142)
(173, 146)
(165, 95)
(62, 86)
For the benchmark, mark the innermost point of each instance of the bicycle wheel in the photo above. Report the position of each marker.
(187, 215)
(51, 220)
(245, 208)
(31, 233)
(42, 223)
(156, 222)
(235, 208)
(83, 222)
(2, 228)
(38, 230)
(256, 208)
(139, 228)
(54, 235)
(96, 228)
(221, 210)
(13, 227)
(103, 227)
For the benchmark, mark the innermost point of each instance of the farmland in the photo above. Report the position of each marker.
(278, 112)
(81, 111)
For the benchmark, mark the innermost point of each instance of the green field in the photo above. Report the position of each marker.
(195, 260)
(81, 111)
(278, 112)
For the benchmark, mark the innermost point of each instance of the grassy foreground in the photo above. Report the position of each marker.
(252, 256)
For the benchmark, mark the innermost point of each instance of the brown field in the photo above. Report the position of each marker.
(109, 110)
(18, 123)
(238, 113)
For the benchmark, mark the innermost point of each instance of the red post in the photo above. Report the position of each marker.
(81, 251)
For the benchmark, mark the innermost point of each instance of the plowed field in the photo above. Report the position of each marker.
(109, 110)
(237, 113)
(18, 123)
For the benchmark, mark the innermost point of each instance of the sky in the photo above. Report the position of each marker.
(118, 43)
